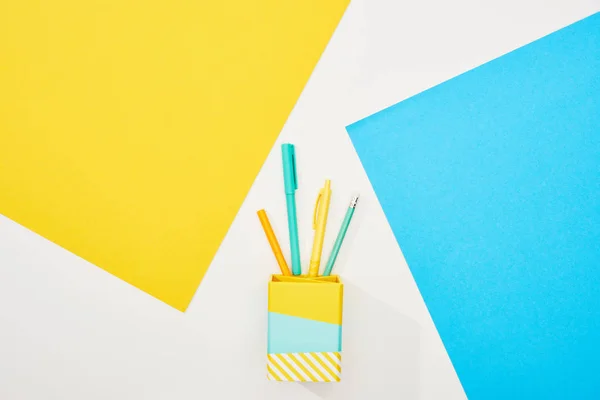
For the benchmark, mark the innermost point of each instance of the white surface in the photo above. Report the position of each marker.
(69, 330)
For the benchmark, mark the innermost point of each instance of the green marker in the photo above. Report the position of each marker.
(341, 235)
(290, 179)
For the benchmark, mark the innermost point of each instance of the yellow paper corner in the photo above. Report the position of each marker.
(131, 131)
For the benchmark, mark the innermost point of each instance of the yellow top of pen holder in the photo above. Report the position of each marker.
(315, 298)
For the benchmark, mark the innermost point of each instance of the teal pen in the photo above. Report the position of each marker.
(290, 180)
(340, 237)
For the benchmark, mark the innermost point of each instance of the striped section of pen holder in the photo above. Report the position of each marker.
(305, 329)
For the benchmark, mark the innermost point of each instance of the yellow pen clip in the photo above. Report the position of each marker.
(316, 211)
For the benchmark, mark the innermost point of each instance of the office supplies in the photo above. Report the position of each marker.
(130, 132)
(490, 184)
(340, 236)
(304, 342)
(319, 224)
(290, 180)
(266, 224)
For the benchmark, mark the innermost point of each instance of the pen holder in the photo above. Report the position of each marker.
(305, 328)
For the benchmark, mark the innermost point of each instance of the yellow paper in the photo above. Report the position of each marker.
(131, 131)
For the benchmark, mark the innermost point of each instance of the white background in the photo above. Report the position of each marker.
(69, 330)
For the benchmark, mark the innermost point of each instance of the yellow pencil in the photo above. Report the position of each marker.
(264, 220)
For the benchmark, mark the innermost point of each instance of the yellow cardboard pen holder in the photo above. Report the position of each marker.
(305, 328)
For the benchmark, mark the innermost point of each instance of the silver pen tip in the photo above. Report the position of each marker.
(354, 201)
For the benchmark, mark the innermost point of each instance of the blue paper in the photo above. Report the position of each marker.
(491, 184)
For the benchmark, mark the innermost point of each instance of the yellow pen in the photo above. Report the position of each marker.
(264, 221)
(319, 222)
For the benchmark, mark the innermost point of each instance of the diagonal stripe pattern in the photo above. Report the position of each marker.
(305, 367)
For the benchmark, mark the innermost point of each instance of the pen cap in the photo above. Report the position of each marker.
(290, 176)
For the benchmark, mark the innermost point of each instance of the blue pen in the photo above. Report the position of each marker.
(290, 179)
